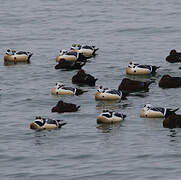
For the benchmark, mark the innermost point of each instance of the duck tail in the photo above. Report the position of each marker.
(124, 116)
(124, 95)
(78, 107)
(154, 68)
(61, 124)
(96, 49)
(79, 92)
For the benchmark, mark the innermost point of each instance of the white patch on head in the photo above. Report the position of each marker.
(100, 89)
(62, 52)
(76, 46)
(131, 65)
(9, 52)
(147, 107)
(58, 85)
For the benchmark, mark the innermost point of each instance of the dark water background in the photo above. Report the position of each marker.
(143, 31)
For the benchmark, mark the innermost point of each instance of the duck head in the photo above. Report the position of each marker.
(59, 85)
(173, 52)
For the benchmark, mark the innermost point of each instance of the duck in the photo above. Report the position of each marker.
(172, 120)
(70, 55)
(61, 89)
(83, 78)
(13, 56)
(168, 81)
(150, 111)
(45, 123)
(139, 69)
(69, 65)
(110, 117)
(109, 94)
(87, 50)
(62, 107)
(129, 85)
(174, 56)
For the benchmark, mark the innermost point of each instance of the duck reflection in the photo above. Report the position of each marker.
(110, 128)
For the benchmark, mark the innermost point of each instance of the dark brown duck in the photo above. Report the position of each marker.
(62, 107)
(168, 81)
(133, 85)
(64, 64)
(174, 56)
(83, 78)
(172, 120)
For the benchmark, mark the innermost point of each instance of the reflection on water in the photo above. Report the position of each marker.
(39, 137)
(109, 128)
(172, 133)
(14, 63)
(111, 105)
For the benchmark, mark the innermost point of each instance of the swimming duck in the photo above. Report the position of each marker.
(86, 50)
(109, 94)
(13, 56)
(61, 89)
(138, 69)
(110, 117)
(133, 85)
(46, 123)
(62, 107)
(83, 78)
(70, 55)
(168, 81)
(172, 120)
(150, 111)
(174, 56)
(64, 64)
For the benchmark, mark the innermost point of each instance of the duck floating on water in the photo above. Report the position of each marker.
(174, 56)
(61, 89)
(14, 57)
(168, 81)
(70, 55)
(172, 120)
(69, 65)
(150, 111)
(62, 107)
(86, 50)
(129, 85)
(45, 123)
(139, 69)
(83, 78)
(110, 117)
(109, 94)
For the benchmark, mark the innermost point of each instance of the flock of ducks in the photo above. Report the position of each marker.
(75, 58)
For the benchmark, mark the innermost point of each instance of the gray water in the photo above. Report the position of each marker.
(132, 30)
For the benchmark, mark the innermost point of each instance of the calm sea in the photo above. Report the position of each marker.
(133, 30)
